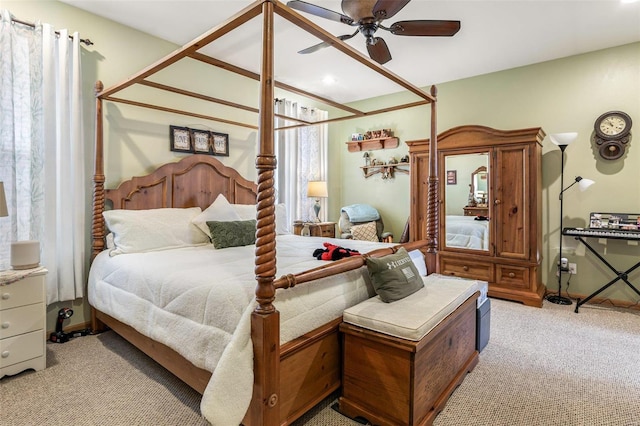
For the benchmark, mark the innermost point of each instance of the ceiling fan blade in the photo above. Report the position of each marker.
(324, 44)
(319, 11)
(432, 28)
(378, 50)
(384, 9)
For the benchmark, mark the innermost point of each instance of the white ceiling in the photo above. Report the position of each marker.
(494, 35)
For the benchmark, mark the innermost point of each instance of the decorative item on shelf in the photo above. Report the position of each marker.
(372, 139)
(317, 189)
(387, 170)
(367, 159)
(562, 140)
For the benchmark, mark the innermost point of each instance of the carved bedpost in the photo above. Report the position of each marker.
(97, 225)
(265, 320)
(432, 197)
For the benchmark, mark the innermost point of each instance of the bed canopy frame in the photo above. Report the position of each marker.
(264, 408)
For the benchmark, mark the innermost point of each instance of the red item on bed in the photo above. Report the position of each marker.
(334, 252)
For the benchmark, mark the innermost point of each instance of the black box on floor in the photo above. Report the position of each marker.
(483, 323)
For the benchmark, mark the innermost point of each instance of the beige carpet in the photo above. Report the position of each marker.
(545, 366)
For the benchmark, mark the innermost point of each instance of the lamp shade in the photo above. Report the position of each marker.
(3, 202)
(317, 189)
(583, 184)
(563, 139)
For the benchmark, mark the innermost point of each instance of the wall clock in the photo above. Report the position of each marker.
(612, 134)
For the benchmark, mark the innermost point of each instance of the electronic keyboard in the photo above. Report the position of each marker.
(620, 234)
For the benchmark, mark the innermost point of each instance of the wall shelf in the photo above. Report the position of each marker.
(388, 170)
(372, 144)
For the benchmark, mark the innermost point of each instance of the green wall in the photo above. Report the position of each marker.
(562, 95)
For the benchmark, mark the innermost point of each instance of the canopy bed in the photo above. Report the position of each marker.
(290, 374)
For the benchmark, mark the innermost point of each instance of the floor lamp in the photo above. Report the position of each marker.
(563, 140)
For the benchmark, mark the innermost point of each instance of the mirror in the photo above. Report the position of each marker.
(479, 186)
(466, 201)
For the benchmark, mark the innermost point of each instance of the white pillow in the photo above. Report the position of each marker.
(282, 223)
(138, 231)
(220, 210)
(248, 212)
(245, 211)
(418, 259)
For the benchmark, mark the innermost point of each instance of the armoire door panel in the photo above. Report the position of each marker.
(512, 225)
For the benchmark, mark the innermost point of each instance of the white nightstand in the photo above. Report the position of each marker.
(22, 321)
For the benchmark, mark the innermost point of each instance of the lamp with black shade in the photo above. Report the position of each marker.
(562, 140)
(317, 189)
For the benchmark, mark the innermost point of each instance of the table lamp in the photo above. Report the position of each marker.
(317, 189)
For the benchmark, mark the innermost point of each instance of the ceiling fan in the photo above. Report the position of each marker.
(368, 15)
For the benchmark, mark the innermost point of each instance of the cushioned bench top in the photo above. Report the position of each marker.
(414, 316)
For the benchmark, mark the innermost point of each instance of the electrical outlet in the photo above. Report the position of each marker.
(573, 268)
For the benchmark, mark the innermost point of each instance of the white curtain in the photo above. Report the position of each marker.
(302, 157)
(41, 151)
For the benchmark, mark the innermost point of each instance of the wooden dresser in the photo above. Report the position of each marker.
(512, 258)
(476, 211)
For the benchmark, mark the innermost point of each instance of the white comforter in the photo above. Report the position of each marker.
(198, 301)
(465, 231)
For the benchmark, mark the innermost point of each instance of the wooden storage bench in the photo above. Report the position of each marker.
(402, 360)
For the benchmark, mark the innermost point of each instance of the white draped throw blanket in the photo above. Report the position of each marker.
(198, 301)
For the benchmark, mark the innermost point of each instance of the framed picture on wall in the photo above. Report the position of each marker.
(180, 139)
(220, 143)
(201, 141)
(452, 177)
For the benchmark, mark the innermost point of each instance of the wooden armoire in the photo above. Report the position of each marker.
(505, 247)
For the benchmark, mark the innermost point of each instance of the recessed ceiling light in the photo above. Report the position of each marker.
(329, 80)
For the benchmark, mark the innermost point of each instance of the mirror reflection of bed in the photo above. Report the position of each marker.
(467, 202)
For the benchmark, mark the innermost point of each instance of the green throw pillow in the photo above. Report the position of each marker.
(394, 276)
(233, 233)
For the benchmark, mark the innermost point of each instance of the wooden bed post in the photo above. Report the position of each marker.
(432, 197)
(265, 320)
(98, 180)
(97, 232)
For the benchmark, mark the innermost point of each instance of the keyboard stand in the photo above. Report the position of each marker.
(620, 275)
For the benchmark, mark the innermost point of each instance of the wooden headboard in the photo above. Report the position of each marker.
(194, 181)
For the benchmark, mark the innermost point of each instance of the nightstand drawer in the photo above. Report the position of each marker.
(21, 348)
(24, 292)
(328, 231)
(21, 320)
